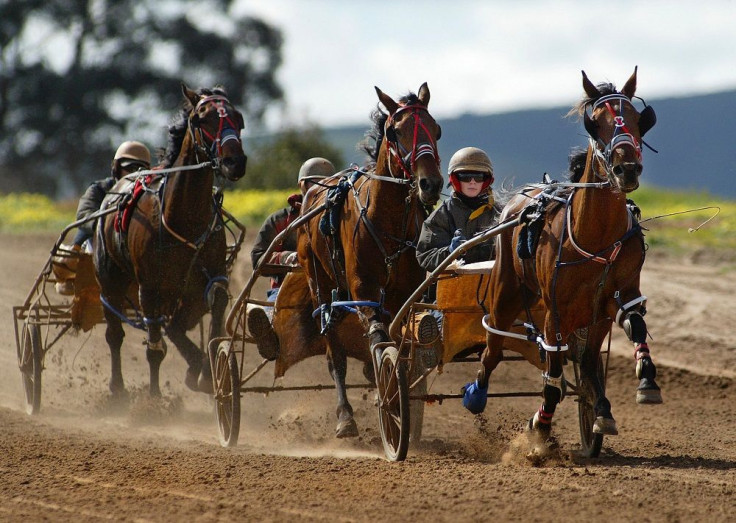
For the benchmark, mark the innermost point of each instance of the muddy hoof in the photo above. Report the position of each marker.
(119, 394)
(347, 429)
(605, 426)
(648, 396)
(536, 428)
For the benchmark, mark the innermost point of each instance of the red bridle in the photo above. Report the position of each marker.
(417, 149)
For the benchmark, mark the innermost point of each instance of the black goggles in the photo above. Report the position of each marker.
(468, 176)
(134, 166)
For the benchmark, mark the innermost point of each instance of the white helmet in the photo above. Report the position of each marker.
(316, 168)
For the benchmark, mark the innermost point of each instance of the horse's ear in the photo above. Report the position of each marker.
(387, 101)
(630, 87)
(424, 94)
(590, 89)
(190, 95)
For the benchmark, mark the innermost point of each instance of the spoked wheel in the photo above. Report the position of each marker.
(590, 442)
(393, 405)
(30, 362)
(416, 407)
(227, 395)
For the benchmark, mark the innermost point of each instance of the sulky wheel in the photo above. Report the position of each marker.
(31, 364)
(590, 442)
(393, 405)
(227, 395)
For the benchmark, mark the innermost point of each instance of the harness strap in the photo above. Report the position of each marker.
(615, 248)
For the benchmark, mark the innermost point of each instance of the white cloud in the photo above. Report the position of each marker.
(487, 57)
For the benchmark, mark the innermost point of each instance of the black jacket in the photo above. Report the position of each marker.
(273, 225)
(439, 228)
(90, 202)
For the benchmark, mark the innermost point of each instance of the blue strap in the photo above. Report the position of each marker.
(211, 282)
(140, 324)
(350, 306)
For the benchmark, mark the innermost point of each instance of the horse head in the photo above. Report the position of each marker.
(616, 129)
(411, 135)
(215, 126)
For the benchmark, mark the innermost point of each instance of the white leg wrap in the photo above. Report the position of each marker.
(558, 383)
(626, 307)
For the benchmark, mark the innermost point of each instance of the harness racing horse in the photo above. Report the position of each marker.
(586, 266)
(175, 246)
(366, 260)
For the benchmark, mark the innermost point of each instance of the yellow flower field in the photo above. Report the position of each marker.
(23, 212)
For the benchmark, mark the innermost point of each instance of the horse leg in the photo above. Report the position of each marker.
(217, 298)
(475, 394)
(114, 335)
(591, 374)
(194, 357)
(648, 391)
(113, 285)
(552, 392)
(337, 363)
(508, 293)
(155, 344)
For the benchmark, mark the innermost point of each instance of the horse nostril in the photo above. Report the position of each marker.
(425, 185)
(618, 170)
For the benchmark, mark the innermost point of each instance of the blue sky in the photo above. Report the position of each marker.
(491, 56)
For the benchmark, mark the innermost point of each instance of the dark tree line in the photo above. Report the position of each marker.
(79, 76)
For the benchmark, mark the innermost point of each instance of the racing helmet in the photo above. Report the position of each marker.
(470, 159)
(315, 169)
(132, 153)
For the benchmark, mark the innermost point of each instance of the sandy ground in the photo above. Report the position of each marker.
(82, 459)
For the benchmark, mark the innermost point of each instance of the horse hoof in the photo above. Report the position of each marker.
(535, 427)
(475, 397)
(606, 426)
(120, 395)
(347, 429)
(648, 396)
(204, 383)
(191, 379)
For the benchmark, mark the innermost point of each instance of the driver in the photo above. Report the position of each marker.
(130, 157)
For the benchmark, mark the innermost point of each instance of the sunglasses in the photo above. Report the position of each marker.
(134, 166)
(477, 177)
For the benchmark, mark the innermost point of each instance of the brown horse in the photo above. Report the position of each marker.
(367, 258)
(587, 263)
(175, 246)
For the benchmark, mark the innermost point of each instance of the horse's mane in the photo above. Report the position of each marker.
(371, 143)
(577, 161)
(178, 128)
(579, 108)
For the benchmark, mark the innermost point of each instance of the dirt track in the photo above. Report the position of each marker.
(81, 459)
